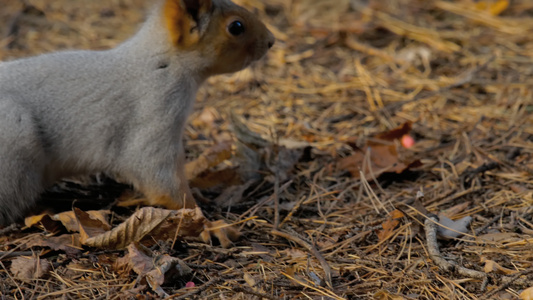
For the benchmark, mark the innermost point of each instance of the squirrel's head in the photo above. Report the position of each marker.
(226, 36)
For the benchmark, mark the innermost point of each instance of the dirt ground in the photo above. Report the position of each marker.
(368, 122)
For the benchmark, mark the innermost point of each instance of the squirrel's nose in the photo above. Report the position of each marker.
(270, 44)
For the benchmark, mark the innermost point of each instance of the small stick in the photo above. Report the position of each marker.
(430, 225)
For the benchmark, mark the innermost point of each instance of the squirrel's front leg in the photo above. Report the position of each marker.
(176, 196)
(181, 197)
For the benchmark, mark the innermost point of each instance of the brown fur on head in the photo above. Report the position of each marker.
(225, 35)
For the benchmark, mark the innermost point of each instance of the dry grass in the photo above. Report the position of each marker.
(340, 71)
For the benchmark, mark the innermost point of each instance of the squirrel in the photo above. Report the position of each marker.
(121, 111)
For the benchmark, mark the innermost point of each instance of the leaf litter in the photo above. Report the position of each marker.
(334, 164)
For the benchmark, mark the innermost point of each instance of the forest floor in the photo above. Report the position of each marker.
(368, 123)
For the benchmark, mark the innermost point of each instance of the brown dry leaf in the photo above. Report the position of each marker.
(493, 267)
(396, 133)
(29, 267)
(155, 269)
(70, 243)
(88, 226)
(210, 158)
(188, 221)
(133, 229)
(70, 221)
(383, 155)
(390, 224)
(43, 220)
(526, 294)
(139, 259)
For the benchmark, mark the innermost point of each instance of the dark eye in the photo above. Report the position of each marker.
(236, 28)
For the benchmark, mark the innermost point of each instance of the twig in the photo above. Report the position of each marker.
(430, 225)
(9, 254)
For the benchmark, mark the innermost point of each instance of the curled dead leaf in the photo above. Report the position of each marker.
(189, 222)
(133, 229)
(155, 269)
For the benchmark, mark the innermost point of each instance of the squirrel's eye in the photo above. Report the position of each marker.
(236, 28)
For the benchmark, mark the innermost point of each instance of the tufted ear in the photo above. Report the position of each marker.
(186, 20)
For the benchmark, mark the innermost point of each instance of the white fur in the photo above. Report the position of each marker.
(120, 111)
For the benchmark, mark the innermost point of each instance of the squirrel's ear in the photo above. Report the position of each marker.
(186, 20)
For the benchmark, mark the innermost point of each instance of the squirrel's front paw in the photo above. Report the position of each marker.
(225, 233)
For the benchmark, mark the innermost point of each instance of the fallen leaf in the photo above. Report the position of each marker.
(155, 269)
(382, 155)
(396, 133)
(136, 227)
(27, 268)
(526, 294)
(43, 220)
(493, 267)
(88, 226)
(69, 243)
(52, 223)
(189, 222)
(390, 224)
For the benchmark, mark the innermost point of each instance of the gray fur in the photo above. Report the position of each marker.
(120, 111)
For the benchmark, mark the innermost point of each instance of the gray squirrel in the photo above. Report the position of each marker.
(120, 111)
